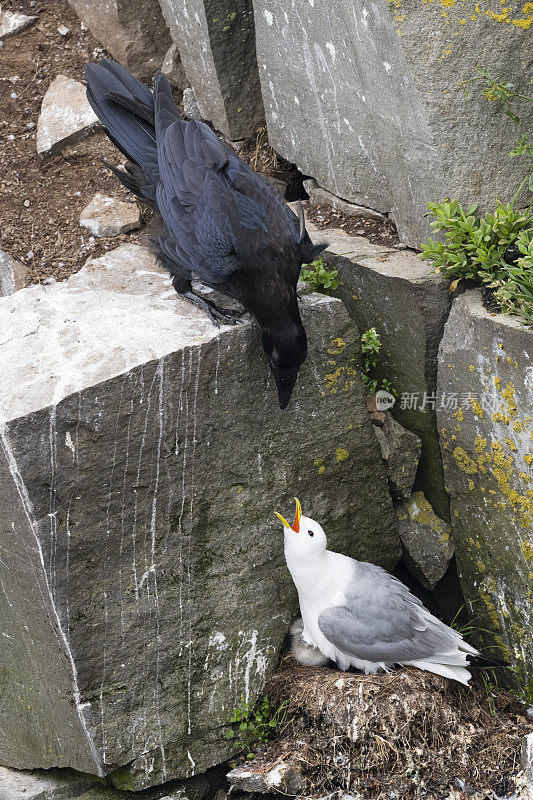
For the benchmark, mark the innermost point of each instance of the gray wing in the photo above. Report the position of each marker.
(381, 621)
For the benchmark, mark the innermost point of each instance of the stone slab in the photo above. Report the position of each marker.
(66, 116)
(397, 293)
(216, 42)
(143, 586)
(486, 433)
(53, 784)
(400, 449)
(367, 99)
(133, 31)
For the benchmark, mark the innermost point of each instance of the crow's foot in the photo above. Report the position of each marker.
(228, 316)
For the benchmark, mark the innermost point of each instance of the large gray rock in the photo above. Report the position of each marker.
(216, 42)
(486, 376)
(426, 539)
(133, 31)
(143, 586)
(66, 116)
(366, 98)
(397, 294)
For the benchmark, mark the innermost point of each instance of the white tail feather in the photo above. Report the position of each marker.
(454, 672)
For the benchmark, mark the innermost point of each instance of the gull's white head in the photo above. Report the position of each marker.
(304, 539)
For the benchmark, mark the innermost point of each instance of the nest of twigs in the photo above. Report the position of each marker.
(409, 734)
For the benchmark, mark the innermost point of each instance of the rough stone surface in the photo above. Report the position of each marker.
(401, 452)
(426, 539)
(13, 274)
(216, 42)
(397, 294)
(191, 109)
(143, 587)
(526, 758)
(367, 99)
(133, 31)
(486, 372)
(278, 776)
(40, 785)
(12, 22)
(66, 116)
(107, 216)
(318, 196)
(173, 69)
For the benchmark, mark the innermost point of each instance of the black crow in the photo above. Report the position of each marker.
(223, 223)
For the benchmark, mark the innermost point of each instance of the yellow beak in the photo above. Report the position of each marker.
(296, 524)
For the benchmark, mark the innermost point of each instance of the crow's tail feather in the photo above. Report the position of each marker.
(125, 107)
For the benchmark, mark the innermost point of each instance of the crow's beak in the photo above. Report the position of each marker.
(297, 517)
(285, 381)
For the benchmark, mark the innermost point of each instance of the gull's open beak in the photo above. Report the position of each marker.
(296, 524)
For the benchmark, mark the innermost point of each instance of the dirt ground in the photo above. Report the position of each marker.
(42, 199)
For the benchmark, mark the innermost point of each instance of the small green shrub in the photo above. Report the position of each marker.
(370, 346)
(254, 725)
(320, 276)
(495, 250)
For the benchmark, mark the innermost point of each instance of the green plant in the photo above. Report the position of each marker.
(320, 276)
(495, 250)
(370, 346)
(255, 724)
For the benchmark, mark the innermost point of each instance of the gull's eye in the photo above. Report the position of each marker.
(311, 533)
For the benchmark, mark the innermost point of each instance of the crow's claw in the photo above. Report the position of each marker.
(228, 316)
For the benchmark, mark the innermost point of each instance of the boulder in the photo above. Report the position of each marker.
(65, 118)
(216, 42)
(398, 294)
(426, 539)
(143, 588)
(12, 22)
(133, 31)
(367, 99)
(485, 425)
(401, 452)
(107, 216)
(13, 274)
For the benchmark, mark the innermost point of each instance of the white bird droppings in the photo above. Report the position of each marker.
(268, 16)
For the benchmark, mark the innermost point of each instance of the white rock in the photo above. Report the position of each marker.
(191, 108)
(65, 116)
(107, 216)
(63, 30)
(13, 274)
(12, 22)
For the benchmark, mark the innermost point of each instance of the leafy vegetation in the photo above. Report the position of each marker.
(370, 346)
(255, 724)
(495, 250)
(320, 276)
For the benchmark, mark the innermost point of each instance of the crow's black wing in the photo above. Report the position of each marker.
(220, 215)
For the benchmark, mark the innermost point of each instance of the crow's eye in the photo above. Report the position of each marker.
(311, 533)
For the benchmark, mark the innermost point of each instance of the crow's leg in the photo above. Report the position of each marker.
(216, 314)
